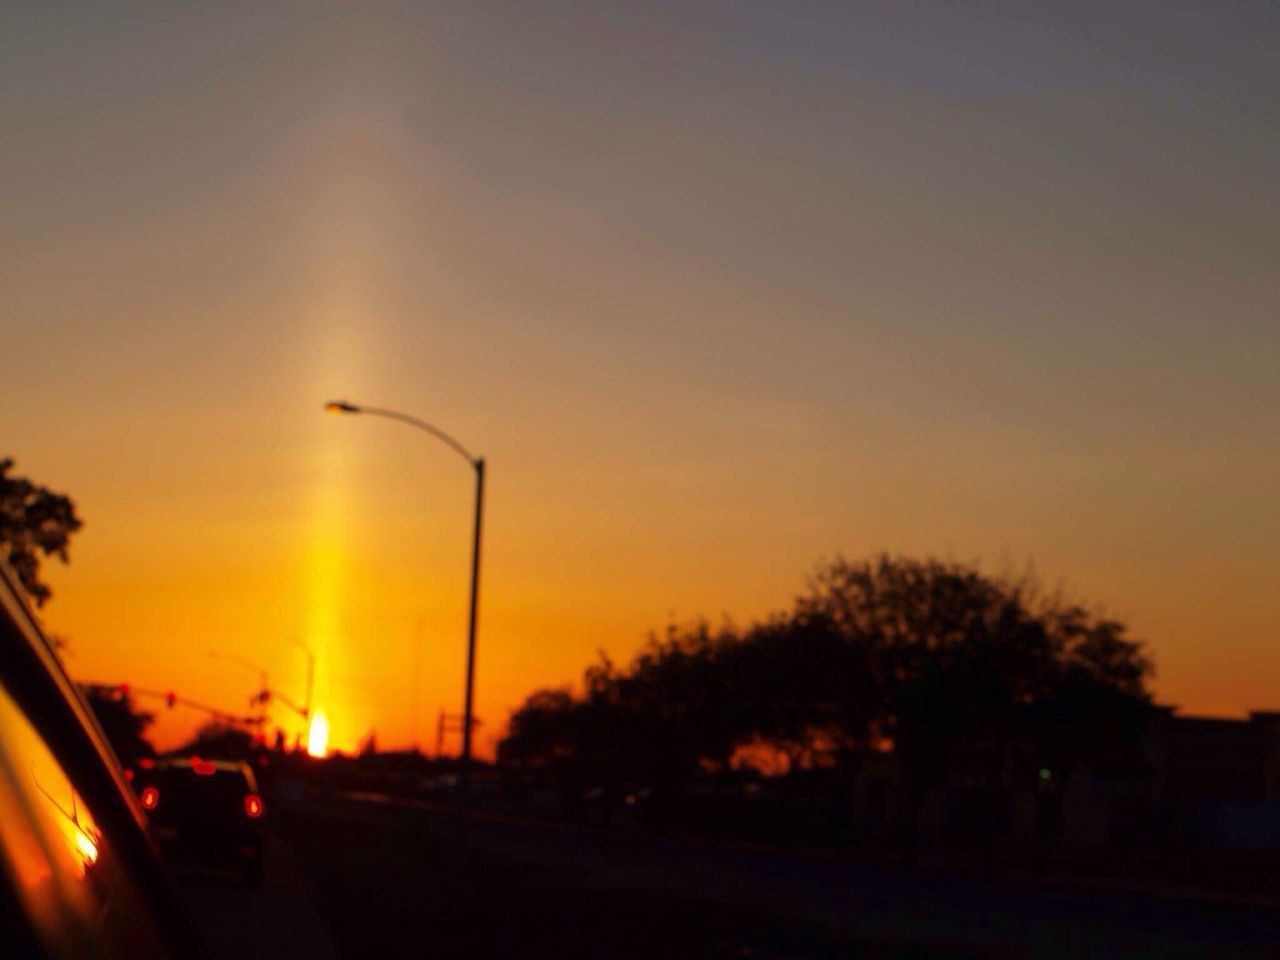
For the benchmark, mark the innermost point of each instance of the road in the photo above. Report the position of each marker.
(279, 920)
(388, 879)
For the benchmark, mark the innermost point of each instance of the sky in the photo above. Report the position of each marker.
(718, 290)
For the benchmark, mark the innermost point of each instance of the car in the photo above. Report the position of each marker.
(205, 813)
(80, 875)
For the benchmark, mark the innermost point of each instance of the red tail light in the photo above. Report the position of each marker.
(146, 763)
(253, 806)
(150, 798)
(204, 768)
(128, 773)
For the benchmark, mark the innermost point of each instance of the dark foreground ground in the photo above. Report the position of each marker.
(372, 878)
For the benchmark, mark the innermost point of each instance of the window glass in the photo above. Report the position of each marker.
(61, 869)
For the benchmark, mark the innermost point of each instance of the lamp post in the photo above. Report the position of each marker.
(265, 693)
(477, 464)
(263, 687)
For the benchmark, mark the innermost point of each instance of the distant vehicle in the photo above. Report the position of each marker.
(79, 874)
(205, 813)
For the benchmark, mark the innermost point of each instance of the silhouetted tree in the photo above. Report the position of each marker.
(546, 734)
(124, 725)
(541, 730)
(1095, 709)
(677, 702)
(962, 673)
(802, 687)
(34, 522)
(972, 671)
(674, 709)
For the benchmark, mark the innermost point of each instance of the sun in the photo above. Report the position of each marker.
(318, 735)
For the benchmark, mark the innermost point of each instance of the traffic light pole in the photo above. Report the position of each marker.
(171, 700)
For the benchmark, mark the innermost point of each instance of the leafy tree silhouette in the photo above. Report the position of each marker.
(125, 726)
(34, 521)
(962, 674)
(976, 673)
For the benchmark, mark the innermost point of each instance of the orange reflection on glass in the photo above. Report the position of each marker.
(51, 839)
(87, 848)
(76, 827)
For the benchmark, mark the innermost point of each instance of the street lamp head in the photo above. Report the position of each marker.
(340, 406)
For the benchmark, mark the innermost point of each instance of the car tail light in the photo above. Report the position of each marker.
(204, 768)
(128, 774)
(253, 806)
(146, 763)
(150, 798)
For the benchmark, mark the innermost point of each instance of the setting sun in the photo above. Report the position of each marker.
(318, 735)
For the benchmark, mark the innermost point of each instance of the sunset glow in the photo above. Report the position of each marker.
(318, 736)
(713, 305)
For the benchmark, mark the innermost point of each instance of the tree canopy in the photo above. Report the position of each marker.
(35, 522)
(123, 723)
(954, 670)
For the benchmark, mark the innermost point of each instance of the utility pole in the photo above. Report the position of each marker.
(416, 706)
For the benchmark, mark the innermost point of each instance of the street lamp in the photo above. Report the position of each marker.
(265, 693)
(264, 687)
(477, 464)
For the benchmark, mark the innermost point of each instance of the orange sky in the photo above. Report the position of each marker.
(717, 293)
